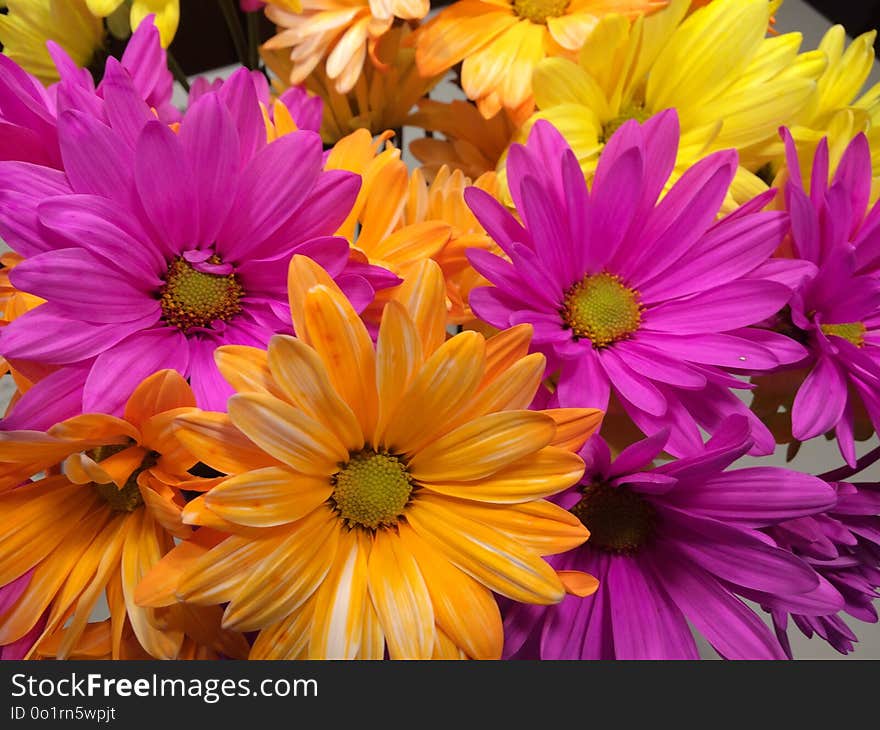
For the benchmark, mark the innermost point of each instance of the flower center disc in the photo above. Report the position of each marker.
(639, 113)
(539, 10)
(371, 489)
(602, 309)
(853, 332)
(129, 498)
(619, 520)
(192, 298)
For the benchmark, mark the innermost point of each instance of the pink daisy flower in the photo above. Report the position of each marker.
(843, 546)
(28, 111)
(837, 308)
(651, 301)
(674, 545)
(152, 248)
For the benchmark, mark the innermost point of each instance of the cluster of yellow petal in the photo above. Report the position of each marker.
(282, 556)
(499, 43)
(28, 24)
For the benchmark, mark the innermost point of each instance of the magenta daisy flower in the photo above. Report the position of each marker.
(674, 545)
(306, 110)
(653, 301)
(28, 111)
(152, 248)
(843, 546)
(837, 309)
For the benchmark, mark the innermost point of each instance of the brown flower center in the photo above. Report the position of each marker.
(192, 298)
(619, 520)
(538, 11)
(853, 332)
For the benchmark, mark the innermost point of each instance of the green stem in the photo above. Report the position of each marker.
(177, 71)
(230, 15)
(253, 40)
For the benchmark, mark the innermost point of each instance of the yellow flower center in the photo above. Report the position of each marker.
(851, 332)
(372, 489)
(619, 520)
(635, 111)
(602, 309)
(191, 298)
(129, 498)
(539, 10)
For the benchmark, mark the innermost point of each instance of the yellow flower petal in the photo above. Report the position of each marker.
(464, 609)
(287, 434)
(246, 369)
(162, 391)
(538, 475)
(483, 446)
(337, 625)
(267, 497)
(301, 376)
(288, 577)
(445, 383)
(398, 358)
(487, 555)
(423, 295)
(213, 439)
(400, 598)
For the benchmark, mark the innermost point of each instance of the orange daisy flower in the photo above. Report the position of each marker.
(501, 41)
(338, 32)
(470, 142)
(99, 524)
(399, 220)
(381, 493)
(382, 96)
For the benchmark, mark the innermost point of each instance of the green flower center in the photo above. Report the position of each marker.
(372, 489)
(600, 308)
(619, 520)
(853, 332)
(191, 298)
(129, 498)
(539, 10)
(634, 111)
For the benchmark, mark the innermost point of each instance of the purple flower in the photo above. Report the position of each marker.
(28, 112)
(673, 545)
(843, 546)
(653, 301)
(152, 248)
(837, 308)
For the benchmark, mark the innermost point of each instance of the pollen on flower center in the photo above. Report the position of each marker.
(192, 298)
(619, 520)
(128, 498)
(602, 309)
(853, 332)
(635, 111)
(539, 10)
(372, 489)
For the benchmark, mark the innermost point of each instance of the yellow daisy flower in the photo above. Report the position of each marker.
(499, 43)
(382, 97)
(339, 32)
(381, 493)
(731, 85)
(836, 109)
(470, 143)
(167, 14)
(107, 510)
(28, 24)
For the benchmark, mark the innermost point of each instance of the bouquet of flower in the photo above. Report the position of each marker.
(280, 391)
